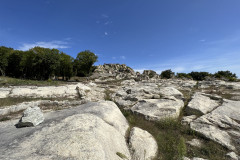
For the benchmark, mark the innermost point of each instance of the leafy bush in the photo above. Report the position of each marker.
(226, 75)
(183, 75)
(199, 76)
(167, 74)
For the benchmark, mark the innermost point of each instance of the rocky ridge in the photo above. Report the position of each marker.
(210, 108)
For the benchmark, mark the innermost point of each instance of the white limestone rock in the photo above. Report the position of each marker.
(229, 108)
(156, 109)
(186, 120)
(95, 131)
(201, 104)
(142, 145)
(32, 116)
(81, 136)
(232, 156)
(195, 143)
(171, 91)
(210, 125)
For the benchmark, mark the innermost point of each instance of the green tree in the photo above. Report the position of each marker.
(83, 64)
(46, 62)
(27, 65)
(167, 74)
(4, 53)
(225, 74)
(66, 66)
(14, 68)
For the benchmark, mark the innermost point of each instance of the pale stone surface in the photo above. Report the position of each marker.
(80, 133)
(48, 91)
(232, 156)
(229, 108)
(32, 116)
(188, 119)
(201, 104)
(156, 109)
(142, 145)
(195, 143)
(4, 92)
(22, 106)
(170, 91)
(210, 126)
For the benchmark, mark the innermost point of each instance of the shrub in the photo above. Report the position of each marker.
(226, 75)
(167, 74)
(199, 76)
(183, 75)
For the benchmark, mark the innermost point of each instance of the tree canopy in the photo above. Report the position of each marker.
(44, 63)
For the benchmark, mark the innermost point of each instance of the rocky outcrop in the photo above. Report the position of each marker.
(156, 109)
(85, 132)
(66, 91)
(43, 104)
(32, 116)
(142, 145)
(213, 126)
(118, 71)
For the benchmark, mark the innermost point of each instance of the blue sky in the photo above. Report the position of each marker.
(182, 35)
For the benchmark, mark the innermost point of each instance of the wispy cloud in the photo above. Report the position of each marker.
(107, 22)
(105, 33)
(50, 44)
(105, 16)
(122, 57)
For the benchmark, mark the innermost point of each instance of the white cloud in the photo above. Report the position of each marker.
(202, 40)
(107, 22)
(50, 44)
(105, 16)
(122, 57)
(113, 57)
(105, 33)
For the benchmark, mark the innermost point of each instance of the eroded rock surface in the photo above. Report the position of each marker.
(142, 145)
(70, 134)
(156, 109)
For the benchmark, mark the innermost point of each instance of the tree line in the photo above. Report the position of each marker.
(199, 76)
(44, 63)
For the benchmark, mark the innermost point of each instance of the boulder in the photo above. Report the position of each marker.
(201, 104)
(156, 109)
(142, 145)
(93, 131)
(32, 116)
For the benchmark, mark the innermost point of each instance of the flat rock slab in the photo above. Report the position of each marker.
(214, 126)
(229, 108)
(201, 104)
(156, 109)
(76, 133)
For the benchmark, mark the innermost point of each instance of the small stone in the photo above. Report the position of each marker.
(32, 116)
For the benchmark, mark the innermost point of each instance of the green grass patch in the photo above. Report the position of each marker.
(16, 100)
(171, 136)
(7, 81)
